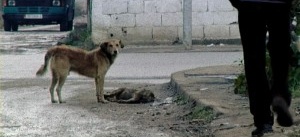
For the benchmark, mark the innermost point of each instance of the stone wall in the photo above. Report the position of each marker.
(160, 21)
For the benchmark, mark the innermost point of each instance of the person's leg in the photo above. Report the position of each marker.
(279, 48)
(252, 27)
(278, 23)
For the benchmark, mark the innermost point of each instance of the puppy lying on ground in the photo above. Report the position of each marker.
(125, 95)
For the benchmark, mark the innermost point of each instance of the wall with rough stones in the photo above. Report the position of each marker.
(160, 21)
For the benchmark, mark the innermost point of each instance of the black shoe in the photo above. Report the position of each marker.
(280, 107)
(260, 131)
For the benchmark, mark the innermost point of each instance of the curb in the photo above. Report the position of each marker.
(180, 48)
(193, 83)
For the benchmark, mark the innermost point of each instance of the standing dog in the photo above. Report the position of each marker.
(93, 64)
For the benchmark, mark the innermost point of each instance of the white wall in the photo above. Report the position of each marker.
(160, 21)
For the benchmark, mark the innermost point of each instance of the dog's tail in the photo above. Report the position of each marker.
(43, 69)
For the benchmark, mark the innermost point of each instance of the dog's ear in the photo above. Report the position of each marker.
(122, 45)
(103, 45)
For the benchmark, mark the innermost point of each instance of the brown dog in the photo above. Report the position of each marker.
(92, 64)
(124, 95)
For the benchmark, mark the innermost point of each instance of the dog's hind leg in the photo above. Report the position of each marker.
(61, 82)
(53, 84)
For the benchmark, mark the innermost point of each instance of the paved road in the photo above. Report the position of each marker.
(128, 66)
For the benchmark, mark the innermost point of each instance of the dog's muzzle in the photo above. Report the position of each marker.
(116, 52)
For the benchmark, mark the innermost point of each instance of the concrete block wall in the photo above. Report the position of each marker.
(160, 21)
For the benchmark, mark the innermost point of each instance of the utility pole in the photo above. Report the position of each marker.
(187, 24)
(89, 15)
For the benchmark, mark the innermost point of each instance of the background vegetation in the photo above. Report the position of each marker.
(80, 37)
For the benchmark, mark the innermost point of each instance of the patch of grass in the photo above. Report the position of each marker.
(181, 99)
(298, 31)
(294, 82)
(240, 84)
(80, 37)
(296, 93)
(202, 112)
(294, 134)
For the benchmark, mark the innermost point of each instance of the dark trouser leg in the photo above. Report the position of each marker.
(252, 27)
(279, 48)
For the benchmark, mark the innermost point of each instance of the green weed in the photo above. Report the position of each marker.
(240, 85)
(202, 112)
(294, 134)
(80, 37)
(181, 99)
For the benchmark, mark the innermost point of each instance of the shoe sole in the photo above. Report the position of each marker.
(262, 133)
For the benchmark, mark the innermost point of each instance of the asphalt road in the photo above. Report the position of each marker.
(135, 67)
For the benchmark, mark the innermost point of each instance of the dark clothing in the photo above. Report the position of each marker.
(255, 20)
(236, 3)
(268, 1)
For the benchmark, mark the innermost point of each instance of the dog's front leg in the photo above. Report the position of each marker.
(99, 81)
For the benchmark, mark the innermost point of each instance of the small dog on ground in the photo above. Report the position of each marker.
(125, 95)
(93, 64)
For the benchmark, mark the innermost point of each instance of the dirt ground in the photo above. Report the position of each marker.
(26, 111)
(236, 120)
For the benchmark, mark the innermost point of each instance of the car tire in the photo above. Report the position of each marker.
(64, 25)
(70, 25)
(14, 27)
(7, 25)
